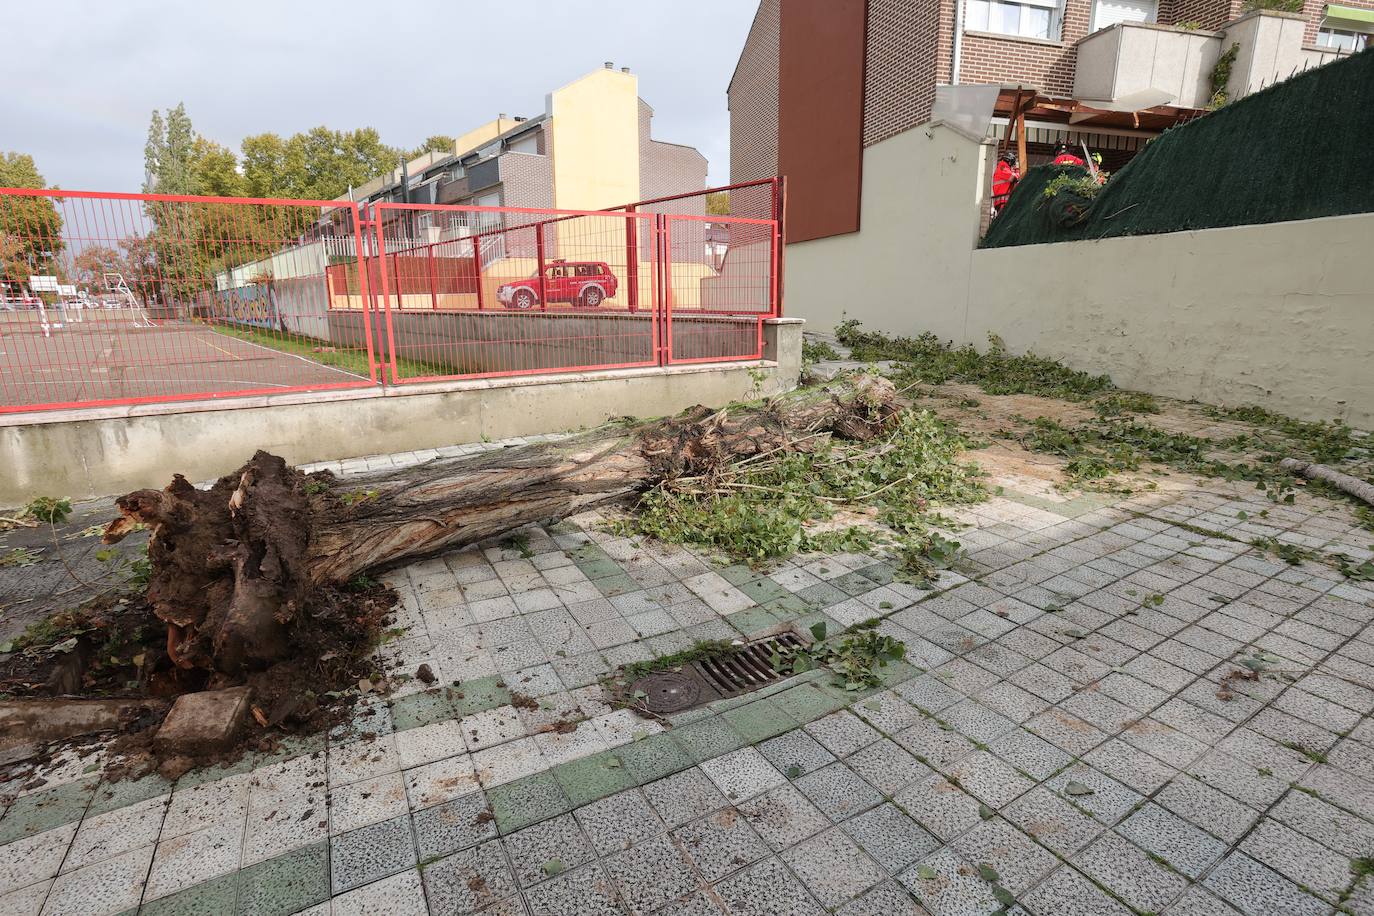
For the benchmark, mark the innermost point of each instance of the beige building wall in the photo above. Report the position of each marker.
(595, 134)
(479, 135)
(1280, 315)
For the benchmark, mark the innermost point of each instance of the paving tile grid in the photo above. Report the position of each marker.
(1058, 726)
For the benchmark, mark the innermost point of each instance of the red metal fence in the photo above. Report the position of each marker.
(127, 298)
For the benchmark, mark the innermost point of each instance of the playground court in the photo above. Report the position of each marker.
(102, 356)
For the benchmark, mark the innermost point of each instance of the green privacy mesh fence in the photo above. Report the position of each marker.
(1300, 149)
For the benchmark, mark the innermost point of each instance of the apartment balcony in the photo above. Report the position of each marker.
(1142, 65)
(1131, 66)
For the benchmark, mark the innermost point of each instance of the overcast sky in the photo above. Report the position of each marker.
(78, 80)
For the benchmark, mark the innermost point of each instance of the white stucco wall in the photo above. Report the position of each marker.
(1280, 315)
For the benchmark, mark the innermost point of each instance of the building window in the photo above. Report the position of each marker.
(1029, 19)
(1343, 39)
(1110, 12)
(425, 221)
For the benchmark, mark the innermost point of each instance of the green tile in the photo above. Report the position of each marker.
(212, 898)
(480, 694)
(588, 553)
(708, 738)
(590, 778)
(754, 620)
(738, 574)
(600, 569)
(789, 606)
(47, 809)
(621, 584)
(527, 801)
(807, 702)
(243, 764)
(654, 757)
(822, 594)
(881, 573)
(894, 673)
(760, 720)
(125, 792)
(285, 884)
(854, 584)
(764, 590)
(832, 626)
(424, 708)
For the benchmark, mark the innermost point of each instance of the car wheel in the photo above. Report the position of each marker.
(524, 300)
(592, 297)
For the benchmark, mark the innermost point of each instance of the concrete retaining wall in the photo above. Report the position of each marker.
(1280, 315)
(106, 451)
(504, 341)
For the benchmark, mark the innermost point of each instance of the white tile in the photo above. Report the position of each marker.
(491, 727)
(507, 762)
(399, 895)
(362, 759)
(440, 781)
(107, 835)
(104, 888)
(194, 857)
(743, 774)
(34, 858)
(27, 900)
(622, 726)
(560, 747)
(366, 802)
(208, 803)
(440, 740)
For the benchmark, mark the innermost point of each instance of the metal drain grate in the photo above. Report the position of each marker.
(751, 667)
(708, 679)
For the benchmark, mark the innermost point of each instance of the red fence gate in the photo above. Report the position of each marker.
(130, 298)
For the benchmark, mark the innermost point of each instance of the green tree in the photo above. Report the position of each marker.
(718, 203)
(439, 143)
(169, 153)
(319, 164)
(30, 227)
(214, 170)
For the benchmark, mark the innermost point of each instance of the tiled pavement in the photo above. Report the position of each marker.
(1057, 738)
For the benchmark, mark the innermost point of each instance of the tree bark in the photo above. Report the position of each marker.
(234, 567)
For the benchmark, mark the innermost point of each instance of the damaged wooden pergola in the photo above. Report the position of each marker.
(1146, 111)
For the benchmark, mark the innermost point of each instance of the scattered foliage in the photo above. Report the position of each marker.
(921, 557)
(772, 505)
(1106, 446)
(927, 359)
(1321, 441)
(49, 509)
(814, 351)
(855, 657)
(1121, 403)
(19, 556)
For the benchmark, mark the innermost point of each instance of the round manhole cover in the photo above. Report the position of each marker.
(668, 691)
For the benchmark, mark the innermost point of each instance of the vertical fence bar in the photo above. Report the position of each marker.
(433, 282)
(668, 283)
(373, 362)
(477, 270)
(632, 258)
(780, 243)
(539, 258)
(379, 228)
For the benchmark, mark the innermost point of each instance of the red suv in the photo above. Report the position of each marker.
(585, 283)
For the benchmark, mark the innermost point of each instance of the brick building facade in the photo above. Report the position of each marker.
(910, 47)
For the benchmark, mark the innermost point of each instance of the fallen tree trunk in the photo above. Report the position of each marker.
(1343, 482)
(234, 567)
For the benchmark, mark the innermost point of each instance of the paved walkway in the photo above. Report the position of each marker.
(1062, 742)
